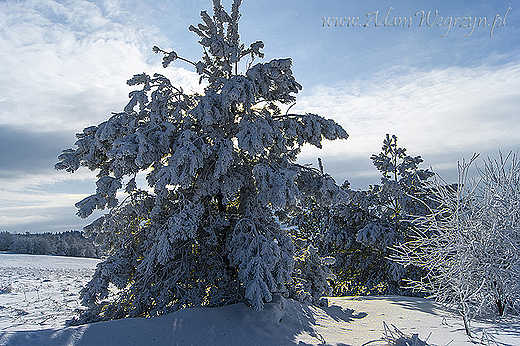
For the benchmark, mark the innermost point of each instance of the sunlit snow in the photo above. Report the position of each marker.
(39, 293)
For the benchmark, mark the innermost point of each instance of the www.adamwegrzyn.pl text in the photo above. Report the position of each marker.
(430, 19)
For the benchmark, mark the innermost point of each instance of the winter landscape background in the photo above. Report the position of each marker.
(221, 167)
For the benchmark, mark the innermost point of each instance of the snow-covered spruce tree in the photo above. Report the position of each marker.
(220, 164)
(470, 243)
(359, 231)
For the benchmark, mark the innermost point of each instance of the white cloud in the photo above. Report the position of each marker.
(44, 202)
(65, 66)
(440, 114)
(23, 219)
(431, 111)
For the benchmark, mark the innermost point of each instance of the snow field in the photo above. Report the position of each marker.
(40, 291)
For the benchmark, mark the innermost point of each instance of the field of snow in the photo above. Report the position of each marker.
(39, 293)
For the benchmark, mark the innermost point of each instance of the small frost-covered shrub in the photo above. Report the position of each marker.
(219, 166)
(470, 244)
(311, 274)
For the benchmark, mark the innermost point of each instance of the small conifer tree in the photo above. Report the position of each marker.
(359, 231)
(218, 166)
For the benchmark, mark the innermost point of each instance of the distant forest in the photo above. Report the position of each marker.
(69, 243)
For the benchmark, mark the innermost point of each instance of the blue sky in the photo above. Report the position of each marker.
(445, 93)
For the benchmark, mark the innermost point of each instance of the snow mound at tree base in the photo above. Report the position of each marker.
(345, 321)
(282, 322)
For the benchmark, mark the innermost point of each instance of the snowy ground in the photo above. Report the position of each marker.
(39, 293)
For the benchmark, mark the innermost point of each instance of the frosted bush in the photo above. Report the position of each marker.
(470, 245)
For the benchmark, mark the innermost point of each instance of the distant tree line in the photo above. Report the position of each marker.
(69, 243)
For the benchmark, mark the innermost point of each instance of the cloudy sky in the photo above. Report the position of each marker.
(445, 85)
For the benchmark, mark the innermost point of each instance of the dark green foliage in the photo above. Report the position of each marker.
(358, 233)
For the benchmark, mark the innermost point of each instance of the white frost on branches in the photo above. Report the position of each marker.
(470, 245)
(219, 165)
